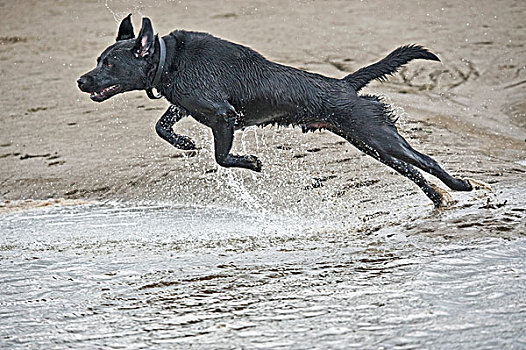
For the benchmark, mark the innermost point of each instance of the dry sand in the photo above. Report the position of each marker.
(468, 112)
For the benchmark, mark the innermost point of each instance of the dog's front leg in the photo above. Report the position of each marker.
(164, 128)
(223, 132)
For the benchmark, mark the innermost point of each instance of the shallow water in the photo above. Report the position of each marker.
(134, 277)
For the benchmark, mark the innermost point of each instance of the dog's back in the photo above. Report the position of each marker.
(260, 89)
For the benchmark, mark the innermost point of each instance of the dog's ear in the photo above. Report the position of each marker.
(126, 29)
(144, 45)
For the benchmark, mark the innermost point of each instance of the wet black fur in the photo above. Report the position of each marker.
(227, 87)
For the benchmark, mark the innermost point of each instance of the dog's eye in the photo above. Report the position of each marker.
(106, 63)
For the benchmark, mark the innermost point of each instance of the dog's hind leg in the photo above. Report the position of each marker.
(407, 154)
(164, 128)
(372, 142)
(388, 146)
(223, 138)
(382, 135)
(401, 167)
(387, 140)
(414, 175)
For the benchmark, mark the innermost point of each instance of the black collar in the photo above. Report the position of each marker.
(160, 67)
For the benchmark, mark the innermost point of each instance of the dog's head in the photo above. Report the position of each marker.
(124, 66)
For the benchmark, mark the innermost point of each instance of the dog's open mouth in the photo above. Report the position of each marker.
(106, 93)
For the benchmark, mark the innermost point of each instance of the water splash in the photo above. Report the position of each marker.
(231, 181)
(115, 15)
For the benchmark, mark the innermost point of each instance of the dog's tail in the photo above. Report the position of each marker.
(388, 66)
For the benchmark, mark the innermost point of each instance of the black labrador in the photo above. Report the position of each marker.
(227, 87)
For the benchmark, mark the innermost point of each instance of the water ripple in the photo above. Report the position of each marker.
(169, 277)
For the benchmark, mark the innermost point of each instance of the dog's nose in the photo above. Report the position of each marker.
(82, 80)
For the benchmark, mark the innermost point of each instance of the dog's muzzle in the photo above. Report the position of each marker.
(82, 82)
(97, 96)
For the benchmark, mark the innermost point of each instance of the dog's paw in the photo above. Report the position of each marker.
(442, 198)
(479, 185)
(251, 162)
(255, 163)
(185, 143)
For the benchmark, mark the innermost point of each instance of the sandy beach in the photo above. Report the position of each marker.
(468, 111)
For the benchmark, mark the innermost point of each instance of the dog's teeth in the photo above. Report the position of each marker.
(104, 92)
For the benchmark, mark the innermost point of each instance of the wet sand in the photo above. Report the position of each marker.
(468, 112)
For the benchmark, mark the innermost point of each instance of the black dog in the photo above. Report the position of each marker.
(227, 87)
